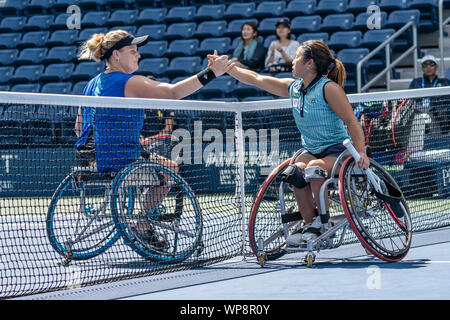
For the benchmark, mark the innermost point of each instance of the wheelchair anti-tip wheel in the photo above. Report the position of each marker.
(383, 230)
(154, 196)
(79, 224)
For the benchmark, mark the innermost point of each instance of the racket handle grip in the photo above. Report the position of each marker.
(348, 144)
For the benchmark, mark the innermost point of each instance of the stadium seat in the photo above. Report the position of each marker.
(267, 26)
(5, 74)
(219, 87)
(57, 87)
(3, 87)
(325, 7)
(181, 66)
(122, 18)
(299, 8)
(391, 5)
(39, 6)
(358, 6)
(26, 74)
(210, 29)
(129, 29)
(240, 11)
(364, 20)
(62, 5)
(13, 6)
(180, 14)
(155, 31)
(78, 87)
(210, 12)
(7, 56)
(399, 18)
(429, 15)
(31, 56)
(180, 30)
(267, 9)
(57, 72)
(93, 19)
(337, 21)
(86, 34)
(305, 24)
(34, 39)
(86, 70)
(9, 40)
(12, 24)
(207, 46)
(91, 5)
(350, 59)
(28, 87)
(151, 16)
(153, 66)
(243, 90)
(154, 49)
(60, 21)
(62, 38)
(234, 27)
(182, 47)
(125, 4)
(345, 39)
(38, 22)
(61, 54)
(373, 38)
(323, 36)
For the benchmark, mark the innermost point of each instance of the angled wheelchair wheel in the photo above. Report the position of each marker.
(79, 224)
(265, 224)
(151, 195)
(385, 231)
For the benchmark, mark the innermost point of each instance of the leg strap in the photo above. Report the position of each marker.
(294, 175)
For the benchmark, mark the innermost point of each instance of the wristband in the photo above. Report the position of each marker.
(206, 76)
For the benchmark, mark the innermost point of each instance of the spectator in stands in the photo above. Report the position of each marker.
(438, 108)
(110, 137)
(282, 51)
(249, 53)
(322, 112)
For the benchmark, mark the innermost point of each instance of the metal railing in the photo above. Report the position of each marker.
(386, 45)
(441, 36)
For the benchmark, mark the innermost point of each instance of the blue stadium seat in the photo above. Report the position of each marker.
(210, 12)
(306, 24)
(268, 26)
(57, 72)
(28, 87)
(219, 87)
(345, 39)
(9, 40)
(34, 39)
(91, 5)
(323, 36)
(267, 9)
(57, 87)
(39, 6)
(358, 6)
(31, 56)
(257, 98)
(154, 49)
(61, 54)
(129, 29)
(364, 18)
(60, 21)
(243, 90)
(27, 74)
(181, 66)
(86, 34)
(151, 16)
(7, 56)
(4, 87)
(62, 38)
(373, 38)
(325, 7)
(240, 11)
(126, 4)
(429, 15)
(391, 5)
(38, 22)
(86, 70)
(222, 45)
(94, 19)
(122, 18)
(350, 59)
(155, 31)
(399, 18)
(180, 30)
(337, 21)
(12, 24)
(153, 66)
(180, 14)
(78, 87)
(210, 29)
(13, 6)
(299, 8)
(182, 47)
(5, 74)
(234, 27)
(62, 5)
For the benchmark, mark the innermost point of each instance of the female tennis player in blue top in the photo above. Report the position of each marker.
(110, 137)
(321, 111)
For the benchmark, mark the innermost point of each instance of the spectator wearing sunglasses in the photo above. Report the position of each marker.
(429, 78)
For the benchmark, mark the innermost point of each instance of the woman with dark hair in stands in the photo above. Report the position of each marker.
(249, 53)
(323, 115)
(109, 138)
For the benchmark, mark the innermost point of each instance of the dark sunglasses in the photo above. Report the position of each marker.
(431, 64)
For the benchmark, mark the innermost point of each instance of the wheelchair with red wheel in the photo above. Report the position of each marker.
(369, 202)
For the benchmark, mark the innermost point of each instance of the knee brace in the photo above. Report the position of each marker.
(315, 172)
(294, 175)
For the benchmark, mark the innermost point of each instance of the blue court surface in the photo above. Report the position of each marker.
(345, 273)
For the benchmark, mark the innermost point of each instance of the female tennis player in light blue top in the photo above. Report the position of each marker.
(321, 111)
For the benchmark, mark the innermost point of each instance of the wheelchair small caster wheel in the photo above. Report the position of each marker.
(309, 259)
(261, 259)
(65, 261)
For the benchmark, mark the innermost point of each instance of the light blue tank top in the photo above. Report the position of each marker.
(319, 125)
(116, 130)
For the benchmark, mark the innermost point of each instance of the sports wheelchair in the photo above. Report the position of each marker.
(89, 212)
(369, 201)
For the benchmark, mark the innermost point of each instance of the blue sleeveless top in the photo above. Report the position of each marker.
(116, 131)
(319, 125)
